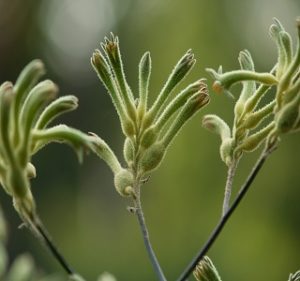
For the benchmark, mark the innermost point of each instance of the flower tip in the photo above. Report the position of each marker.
(6, 86)
(218, 87)
(39, 65)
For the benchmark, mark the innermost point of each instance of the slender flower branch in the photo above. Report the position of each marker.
(142, 223)
(219, 227)
(228, 187)
(53, 249)
(144, 126)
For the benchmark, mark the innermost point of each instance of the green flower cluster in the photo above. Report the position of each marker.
(253, 122)
(26, 110)
(148, 130)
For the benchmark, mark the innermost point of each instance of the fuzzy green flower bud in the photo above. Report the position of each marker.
(206, 271)
(124, 181)
(144, 78)
(149, 137)
(226, 80)
(292, 69)
(55, 109)
(249, 87)
(30, 170)
(6, 98)
(192, 105)
(26, 80)
(102, 149)
(79, 141)
(103, 70)
(276, 31)
(216, 125)
(180, 70)
(255, 140)
(288, 117)
(128, 151)
(152, 157)
(36, 99)
(226, 151)
(112, 51)
(252, 120)
(179, 101)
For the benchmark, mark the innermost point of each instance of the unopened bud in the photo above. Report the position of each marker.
(226, 151)
(31, 171)
(149, 137)
(128, 151)
(216, 125)
(152, 157)
(206, 271)
(124, 181)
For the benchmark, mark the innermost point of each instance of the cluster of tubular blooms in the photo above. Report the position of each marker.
(206, 271)
(148, 130)
(26, 110)
(253, 123)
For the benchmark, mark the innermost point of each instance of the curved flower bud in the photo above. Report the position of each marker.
(249, 87)
(152, 157)
(112, 51)
(180, 70)
(192, 105)
(144, 79)
(79, 141)
(55, 109)
(216, 125)
(124, 182)
(226, 80)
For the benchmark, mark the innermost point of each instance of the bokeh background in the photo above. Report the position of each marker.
(182, 201)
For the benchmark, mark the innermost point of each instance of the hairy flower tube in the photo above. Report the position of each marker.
(26, 110)
(148, 130)
(256, 122)
(206, 271)
(246, 135)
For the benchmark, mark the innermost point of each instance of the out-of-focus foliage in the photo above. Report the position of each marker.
(183, 199)
(22, 268)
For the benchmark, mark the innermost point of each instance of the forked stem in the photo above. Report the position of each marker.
(142, 223)
(219, 227)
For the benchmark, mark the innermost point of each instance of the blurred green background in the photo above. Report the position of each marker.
(182, 200)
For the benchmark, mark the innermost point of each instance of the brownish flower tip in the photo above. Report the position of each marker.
(217, 87)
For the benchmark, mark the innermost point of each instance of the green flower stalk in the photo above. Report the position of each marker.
(148, 130)
(26, 110)
(256, 123)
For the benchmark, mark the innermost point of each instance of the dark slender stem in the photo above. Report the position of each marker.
(217, 230)
(145, 233)
(53, 249)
